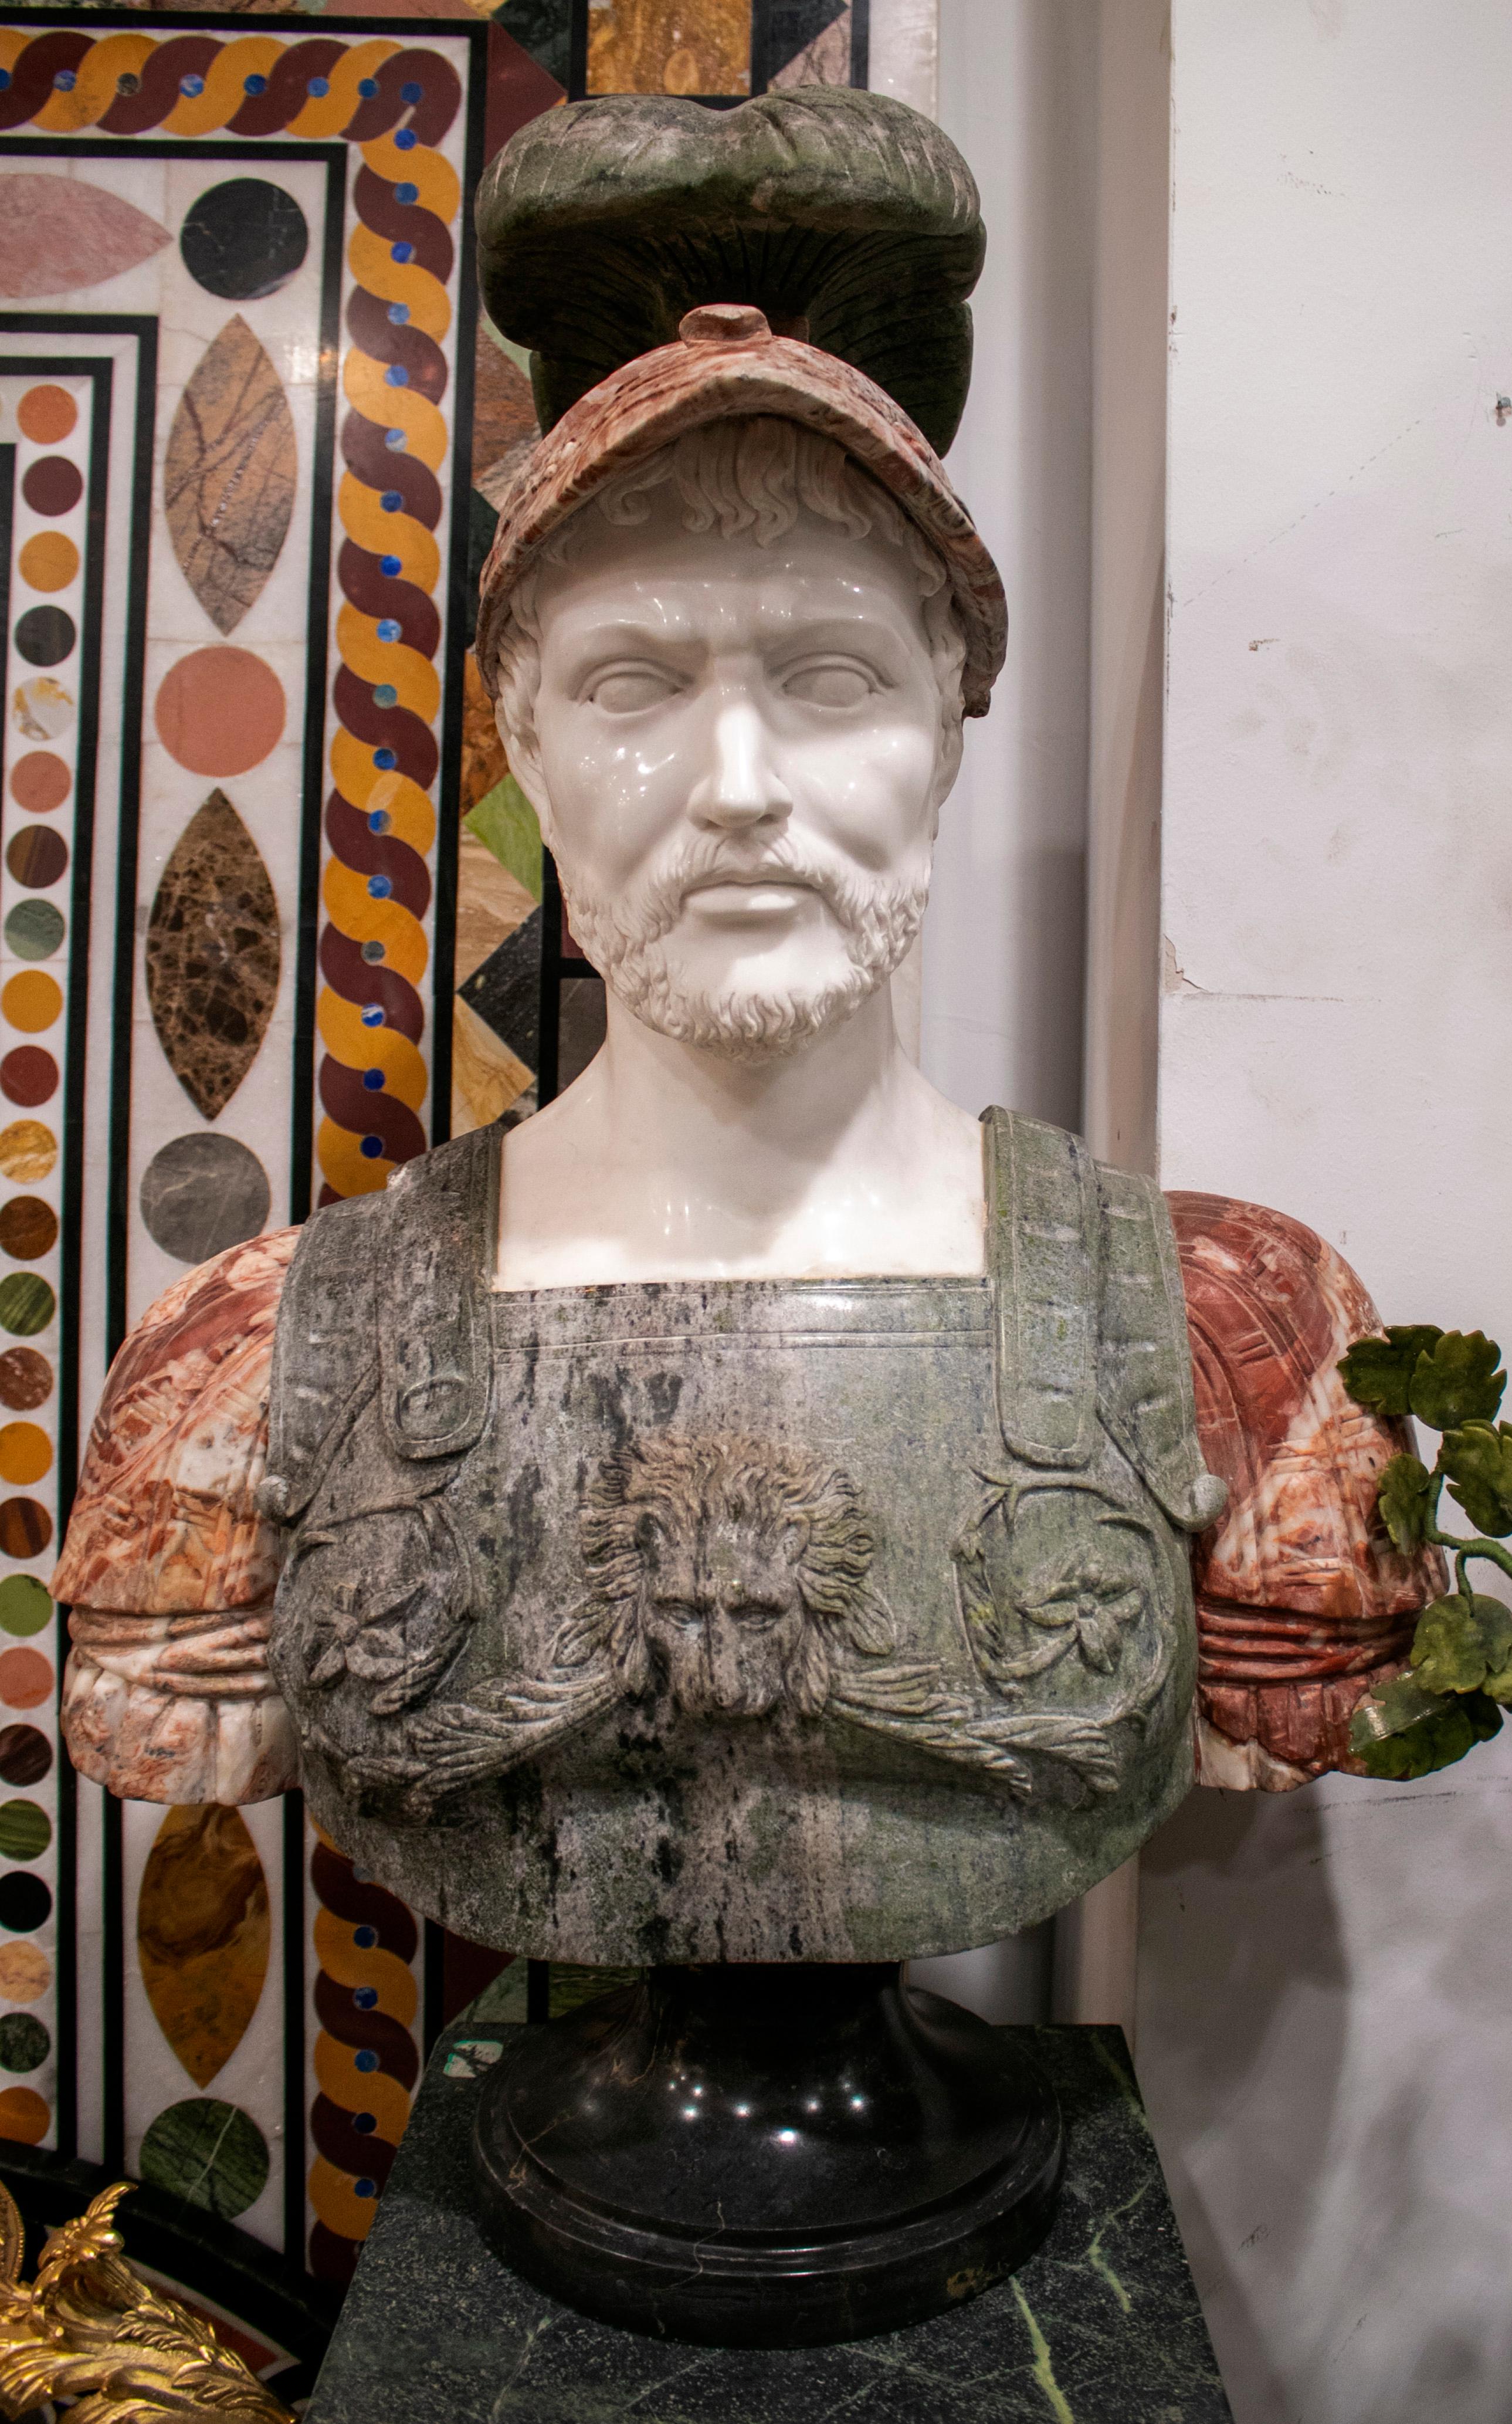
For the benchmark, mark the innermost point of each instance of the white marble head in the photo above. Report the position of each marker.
(731, 689)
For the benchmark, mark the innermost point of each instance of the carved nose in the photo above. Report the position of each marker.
(742, 786)
(722, 1664)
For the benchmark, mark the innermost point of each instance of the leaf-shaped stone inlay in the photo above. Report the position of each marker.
(203, 1935)
(229, 475)
(212, 956)
(59, 234)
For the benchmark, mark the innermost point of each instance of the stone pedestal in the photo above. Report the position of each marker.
(1101, 2327)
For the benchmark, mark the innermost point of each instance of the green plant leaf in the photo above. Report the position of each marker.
(1378, 1371)
(1441, 1735)
(1448, 1653)
(506, 822)
(1405, 1496)
(1478, 1461)
(1457, 1380)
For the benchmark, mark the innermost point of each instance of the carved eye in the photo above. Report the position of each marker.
(835, 684)
(629, 689)
(751, 1608)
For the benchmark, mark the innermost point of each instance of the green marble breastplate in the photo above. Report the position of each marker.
(745, 1621)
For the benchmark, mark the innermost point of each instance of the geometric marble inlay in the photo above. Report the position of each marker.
(202, 1934)
(229, 477)
(59, 232)
(212, 955)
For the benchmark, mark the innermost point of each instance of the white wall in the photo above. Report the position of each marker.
(1326, 1978)
(1003, 943)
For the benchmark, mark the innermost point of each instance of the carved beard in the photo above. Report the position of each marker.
(626, 938)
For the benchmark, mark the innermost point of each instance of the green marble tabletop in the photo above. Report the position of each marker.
(1102, 2327)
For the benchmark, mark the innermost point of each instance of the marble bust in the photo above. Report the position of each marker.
(745, 1512)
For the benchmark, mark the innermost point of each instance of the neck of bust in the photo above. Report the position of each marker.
(668, 1162)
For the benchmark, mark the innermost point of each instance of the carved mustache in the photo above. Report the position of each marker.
(650, 911)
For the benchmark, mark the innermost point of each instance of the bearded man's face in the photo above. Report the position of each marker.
(741, 753)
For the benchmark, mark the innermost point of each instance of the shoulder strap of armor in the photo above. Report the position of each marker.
(1043, 1252)
(1091, 1319)
(1145, 1390)
(432, 1340)
(323, 1348)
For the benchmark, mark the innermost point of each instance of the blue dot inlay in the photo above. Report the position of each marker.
(385, 761)
(367, 2059)
(63, 81)
(389, 628)
(191, 87)
(5, 79)
(396, 375)
(373, 1080)
(399, 315)
(318, 88)
(365, 2188)
(394, 440)
(378, 822)
(370, 1148)
(407, 192)
(392, 566)
(371, 1014)
(380, 886)
(412, 92)
(364, 1998)
(401, 253)
(390, 501)
(254, 85)
(385, 694)
(369, 87)
(364, 2124)
(375, 950)
(365, 1937)
(405, 139)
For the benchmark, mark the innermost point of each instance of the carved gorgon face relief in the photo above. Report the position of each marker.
(738, 748)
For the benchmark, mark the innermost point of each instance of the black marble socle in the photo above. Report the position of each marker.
(1101, 2327)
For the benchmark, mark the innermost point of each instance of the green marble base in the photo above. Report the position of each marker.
(1102, 2327)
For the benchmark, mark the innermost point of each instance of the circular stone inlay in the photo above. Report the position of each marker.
(47, 562)
(27, 1152)
(28, 1076)
(52, 486)
(219, 712)
(37, 856)
(33, 930)
(46, 635)
(25, 1830)
(25, 1529)
(26, 1680)
(205, 2153)
(24, 2116)
(25, 1381)
(244, 239)
(25, 1757)
(40, 782)
(29, 1228)
(26, 1971)
(46, 415)
(32, 1001)
(25, 1455)
(25, 1609)
(202, 1193)
(24, 2044)
(25, 1900)
(27, 1305)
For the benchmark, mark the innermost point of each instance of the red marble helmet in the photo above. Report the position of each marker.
(727, 365)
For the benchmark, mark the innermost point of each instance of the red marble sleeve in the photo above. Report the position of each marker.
(168, 1568)
(1302, 1603)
